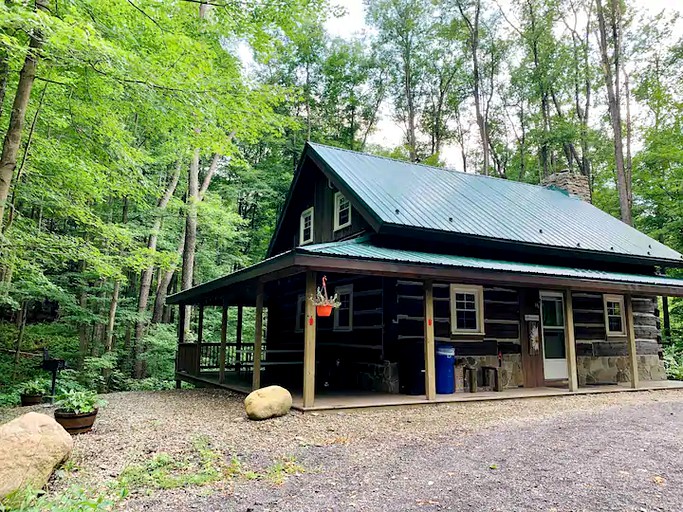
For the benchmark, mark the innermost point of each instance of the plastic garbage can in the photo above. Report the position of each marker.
(445, 369)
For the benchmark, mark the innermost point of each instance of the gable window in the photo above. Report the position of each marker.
(467, 309)
(343, 315)
(615, 322)
(306, 227)
(300, 313)
(342, 211)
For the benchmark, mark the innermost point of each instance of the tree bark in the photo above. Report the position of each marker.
(473, 27)
(12, 141)
(611, 75)
(187, 271)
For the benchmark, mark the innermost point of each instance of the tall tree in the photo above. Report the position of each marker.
(609, 34)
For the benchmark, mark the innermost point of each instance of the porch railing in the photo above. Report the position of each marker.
(193, 358)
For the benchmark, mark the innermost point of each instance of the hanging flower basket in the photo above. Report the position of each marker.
(323, 310)
(324, 304)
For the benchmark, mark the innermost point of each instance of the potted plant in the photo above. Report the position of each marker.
(32, 392)
(324, 304)
(76, 410)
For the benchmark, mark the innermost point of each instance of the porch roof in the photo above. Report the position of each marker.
(361, 256)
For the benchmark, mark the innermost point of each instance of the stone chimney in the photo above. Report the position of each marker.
(574, 183)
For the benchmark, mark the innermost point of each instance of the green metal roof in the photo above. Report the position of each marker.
(362, 248)
(397, 193)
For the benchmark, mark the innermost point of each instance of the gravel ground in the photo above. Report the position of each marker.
(599, 452)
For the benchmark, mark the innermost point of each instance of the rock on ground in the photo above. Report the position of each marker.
(31, 446)
(268, 402)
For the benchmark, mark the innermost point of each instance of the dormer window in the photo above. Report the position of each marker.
(342, 211)
(306, 227)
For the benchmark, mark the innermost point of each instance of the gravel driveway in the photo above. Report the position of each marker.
(601, 452)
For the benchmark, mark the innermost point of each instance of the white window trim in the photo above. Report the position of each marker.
(337, 226)
(620, 300)
(343, 290)
(300, 309)
(478, 292)
(305, 213)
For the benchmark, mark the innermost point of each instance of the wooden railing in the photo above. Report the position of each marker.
(208, 359)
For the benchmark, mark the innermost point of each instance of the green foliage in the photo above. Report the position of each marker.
(35, 387)
(79, 402)
(204, 466)
(73, 499)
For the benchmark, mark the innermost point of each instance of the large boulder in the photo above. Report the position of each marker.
(31, 447)
(268, 402)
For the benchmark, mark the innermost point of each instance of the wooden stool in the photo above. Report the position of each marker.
(469, 378)
(495, 370)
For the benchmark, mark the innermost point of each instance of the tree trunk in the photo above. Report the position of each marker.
(113, 304)
(190, 232)
(82, 330)
(473, 27)
(167, 275)
(613, 97)
(148, 273)
(12, 141)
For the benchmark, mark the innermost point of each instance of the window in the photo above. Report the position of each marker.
(342, 211)
(300, 313)
(306, 227)
(467, 309)
(343, 315)
(615, 323)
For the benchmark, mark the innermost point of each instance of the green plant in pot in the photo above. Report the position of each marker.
(76, 410)
(32, 392)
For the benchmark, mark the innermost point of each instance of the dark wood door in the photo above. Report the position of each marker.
(530, 334)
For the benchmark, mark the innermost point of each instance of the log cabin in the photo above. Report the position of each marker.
(515, 286)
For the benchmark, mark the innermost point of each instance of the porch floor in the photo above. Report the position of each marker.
(329, 400)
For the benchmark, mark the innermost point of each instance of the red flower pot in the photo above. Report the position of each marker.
(323, 310)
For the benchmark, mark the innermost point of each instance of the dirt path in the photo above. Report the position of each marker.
(602, 452)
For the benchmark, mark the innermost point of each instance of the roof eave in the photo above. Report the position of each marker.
(393, 229)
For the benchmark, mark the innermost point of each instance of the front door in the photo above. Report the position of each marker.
(553, 327)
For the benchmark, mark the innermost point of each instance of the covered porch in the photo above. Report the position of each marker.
(266, 356)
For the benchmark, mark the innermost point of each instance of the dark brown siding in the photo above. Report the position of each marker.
(590, 333)
(501, 319)
(314, 189)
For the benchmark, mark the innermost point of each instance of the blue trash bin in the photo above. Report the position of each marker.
(445, 369)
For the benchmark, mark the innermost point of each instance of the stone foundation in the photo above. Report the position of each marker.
(511, 373)
(614, 369)
(378, 377)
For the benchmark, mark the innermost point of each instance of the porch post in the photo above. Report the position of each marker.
(200, 338)
(238, 339)
(430, 377)
(224, 340)
(258, 337)
(309, 341)
(181, 324)
(570, 341)
(181, 339)
(200, 325)
(631, 343)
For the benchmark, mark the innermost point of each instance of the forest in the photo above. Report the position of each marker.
(148, 146)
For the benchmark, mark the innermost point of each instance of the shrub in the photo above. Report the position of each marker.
(35, 387)
(79, 402)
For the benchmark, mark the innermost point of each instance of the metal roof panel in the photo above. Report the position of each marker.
(433, 198)
(362, 248)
